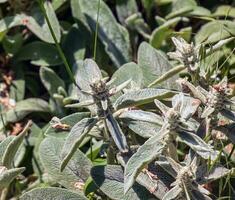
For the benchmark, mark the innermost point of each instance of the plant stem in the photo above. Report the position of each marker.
(3, 123)
(96, 30)
(231, 153)
(4, 193)
(59, 49)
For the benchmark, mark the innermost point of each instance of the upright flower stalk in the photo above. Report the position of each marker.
(188, 55)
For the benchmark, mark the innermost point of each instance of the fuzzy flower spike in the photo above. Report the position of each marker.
(186, 53)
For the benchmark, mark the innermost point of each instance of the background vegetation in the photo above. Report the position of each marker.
(42, 48)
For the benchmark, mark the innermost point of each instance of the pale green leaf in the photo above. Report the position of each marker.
(198, 145)
(140, 97)
(50, 80)
(39, 53)
(149, 151)
(153, 64)
(69, 120)
(51, 194)
(8, 175)
(110, 181)
(74, 139)
(116, 133)
(26, 107)
(77, 170)
(114, 37)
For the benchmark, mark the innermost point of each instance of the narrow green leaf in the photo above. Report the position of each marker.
(13, 146)
(74, 139)
(116, 133)
(42, 30)
(149, 151)
(77, 170)
(198, 145)
(81, 104)
(218, 45)
(140, 97)
(114, 37)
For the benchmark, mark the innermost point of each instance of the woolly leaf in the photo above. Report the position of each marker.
(149, 151)
(51, 193)
(140, 97)
(77, 170)
(74, 139)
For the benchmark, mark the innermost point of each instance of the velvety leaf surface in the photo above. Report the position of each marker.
(50, 80)
(215, 31)
(35, 23)
(39, 53)
(110, 180)
(116, 133)
(74, 139)
(26, 107)
(149, 151)
(153, 64)
(11, 149)
(8, 175)
(70, 120)
(3, 145)
(51, 194)
(140, 97)
(114, 37)
(198, 145)
(130, 71)
(77, 170)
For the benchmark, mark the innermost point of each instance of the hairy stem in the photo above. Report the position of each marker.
(96, 30)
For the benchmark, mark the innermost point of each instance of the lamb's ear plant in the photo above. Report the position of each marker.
(192, 57)
(8, 151)
(117, 126)
(216, 102)
(94, 91)
(190, 176)
(176, 122)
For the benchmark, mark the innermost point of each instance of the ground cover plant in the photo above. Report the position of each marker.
(117, 99)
